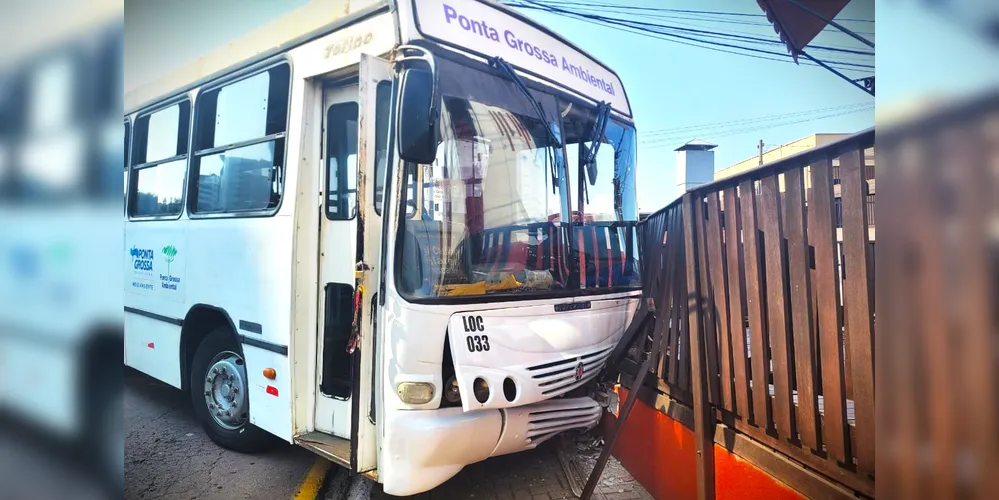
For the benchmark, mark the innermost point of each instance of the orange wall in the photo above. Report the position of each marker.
(660, 451)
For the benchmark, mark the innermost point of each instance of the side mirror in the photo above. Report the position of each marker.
(418, 113)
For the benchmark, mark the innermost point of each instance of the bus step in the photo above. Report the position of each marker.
(332, 448)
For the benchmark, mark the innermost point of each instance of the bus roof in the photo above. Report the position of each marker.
(305, 23)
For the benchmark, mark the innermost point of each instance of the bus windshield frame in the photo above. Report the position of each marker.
(497, 214)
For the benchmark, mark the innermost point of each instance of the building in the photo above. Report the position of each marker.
(792, 148)
(801, 145)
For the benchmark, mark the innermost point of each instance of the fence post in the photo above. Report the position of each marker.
(704, 419)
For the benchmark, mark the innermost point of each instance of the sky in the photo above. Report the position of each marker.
(673, 86)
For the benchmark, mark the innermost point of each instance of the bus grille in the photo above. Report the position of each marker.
(559, 377)
(555, 416)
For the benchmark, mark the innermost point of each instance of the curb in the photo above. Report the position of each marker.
(313, 483)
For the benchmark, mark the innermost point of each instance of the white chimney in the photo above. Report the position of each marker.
(695, 165)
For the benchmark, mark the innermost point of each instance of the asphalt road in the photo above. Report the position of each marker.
(168, 456)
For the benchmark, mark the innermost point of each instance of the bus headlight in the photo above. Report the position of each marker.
(416, 393)
(480, 388)
(451, 392)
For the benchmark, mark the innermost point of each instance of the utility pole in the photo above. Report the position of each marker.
(760, 148)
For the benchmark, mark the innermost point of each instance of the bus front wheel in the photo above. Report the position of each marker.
(219, 394)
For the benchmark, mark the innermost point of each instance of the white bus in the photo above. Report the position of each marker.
(60, 230)
(402, 238)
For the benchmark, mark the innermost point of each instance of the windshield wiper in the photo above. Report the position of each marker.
(554, 136)
(588, 157)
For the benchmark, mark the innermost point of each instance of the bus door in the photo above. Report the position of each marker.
(356, 131)
(376, 103)
(337, 255)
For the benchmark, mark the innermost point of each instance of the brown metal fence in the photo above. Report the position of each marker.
(777, 297)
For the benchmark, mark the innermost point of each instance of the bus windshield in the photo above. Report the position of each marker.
(498, 211)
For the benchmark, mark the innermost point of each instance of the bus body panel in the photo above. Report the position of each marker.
(428, 447)
(413, 459)
(532, 353)
(270, 400)
(431, 446)
(307, 117)
(239, 266)
(152, 346)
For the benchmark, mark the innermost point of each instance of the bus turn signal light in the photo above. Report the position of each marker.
(270, 373)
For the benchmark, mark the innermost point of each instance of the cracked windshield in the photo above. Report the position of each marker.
(494, 209)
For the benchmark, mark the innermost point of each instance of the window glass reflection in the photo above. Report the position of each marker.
(341, 153)
(382, 102)
(241, 110)
(238, 180)
(162, 136)
(159, 189)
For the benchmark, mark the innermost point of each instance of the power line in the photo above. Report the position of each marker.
(638, 31)
(682, 11)
(750, 38)
(643, 28)
(738, 127)
(670, 141)
(700, 22)
(745, 121)
(710, 40)
(743, 37)
(709, 16)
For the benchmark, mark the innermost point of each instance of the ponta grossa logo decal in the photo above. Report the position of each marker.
(142, 259)
(169, 253)
(168, 280)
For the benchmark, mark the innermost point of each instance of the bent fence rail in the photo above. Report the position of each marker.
(769, 275)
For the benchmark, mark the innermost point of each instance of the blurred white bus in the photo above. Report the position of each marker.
(60, 234)
(400, 234)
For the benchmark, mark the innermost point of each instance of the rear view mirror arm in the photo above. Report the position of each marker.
(423, 55)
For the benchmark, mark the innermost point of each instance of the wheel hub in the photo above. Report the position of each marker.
(225, 390)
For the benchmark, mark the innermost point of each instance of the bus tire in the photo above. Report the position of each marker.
(219, 394)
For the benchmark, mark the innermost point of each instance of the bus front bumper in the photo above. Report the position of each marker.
(424, 448)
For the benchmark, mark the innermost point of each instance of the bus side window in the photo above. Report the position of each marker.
(341, 161)
(239, 142)
(383, 105)
(338, 370)
(159, 152)
(383, 101)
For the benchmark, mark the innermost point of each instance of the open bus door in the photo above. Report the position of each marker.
(375, 88)
(355, 128)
